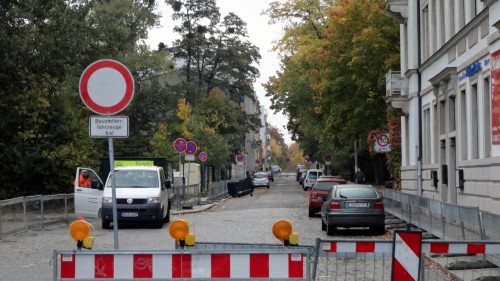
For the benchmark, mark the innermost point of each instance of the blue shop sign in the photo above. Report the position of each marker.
(473, 69)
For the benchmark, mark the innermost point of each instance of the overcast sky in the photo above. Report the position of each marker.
(260, 33)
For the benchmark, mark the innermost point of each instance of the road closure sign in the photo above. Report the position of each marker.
(106, 87)
(108, 127)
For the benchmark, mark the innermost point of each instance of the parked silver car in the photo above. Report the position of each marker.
(353, 205)
(260, 179)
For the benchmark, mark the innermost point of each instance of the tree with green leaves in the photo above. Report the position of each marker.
(216, 52)
(45, 46)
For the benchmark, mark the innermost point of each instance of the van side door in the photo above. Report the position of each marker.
(88, 200)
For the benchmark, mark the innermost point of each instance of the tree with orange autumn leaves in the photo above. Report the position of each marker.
(332, 84)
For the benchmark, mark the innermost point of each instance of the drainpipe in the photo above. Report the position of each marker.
(419, 88)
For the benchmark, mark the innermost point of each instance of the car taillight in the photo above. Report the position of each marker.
(335, 205)
(378, 205)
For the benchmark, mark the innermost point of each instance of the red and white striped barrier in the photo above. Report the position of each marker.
(382, 247)
(170, 265)
(406, 259)
(465, 248)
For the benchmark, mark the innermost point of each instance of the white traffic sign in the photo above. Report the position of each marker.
(382, 144)
(106, 87)
(108, 127)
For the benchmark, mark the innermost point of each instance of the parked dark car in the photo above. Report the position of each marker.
(353, 205)
(319, 192)
(300, 171)
(302, 178)
(270, 175)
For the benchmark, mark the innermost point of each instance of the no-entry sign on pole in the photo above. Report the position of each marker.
(106, 87)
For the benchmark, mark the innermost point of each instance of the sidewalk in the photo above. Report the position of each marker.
(196, 208)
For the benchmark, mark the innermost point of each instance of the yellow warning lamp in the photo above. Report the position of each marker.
(282, 229)
(179, 230)
(80, 231)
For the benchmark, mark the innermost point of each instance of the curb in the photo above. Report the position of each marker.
(197, 208)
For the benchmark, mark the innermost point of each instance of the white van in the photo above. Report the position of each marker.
(142, 195)
(310, 179)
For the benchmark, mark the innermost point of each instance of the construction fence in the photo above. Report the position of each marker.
(406, 257)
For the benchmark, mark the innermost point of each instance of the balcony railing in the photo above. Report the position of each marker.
(395, 84)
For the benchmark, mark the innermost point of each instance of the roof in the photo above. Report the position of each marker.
(149, 168)
(331, 178)
(355, 185)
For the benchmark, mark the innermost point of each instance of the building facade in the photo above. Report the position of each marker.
(448, 93)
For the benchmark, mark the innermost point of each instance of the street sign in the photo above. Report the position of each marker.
(203, 156)
(382, 144)
(108, 127)
(106, 87)
(180, 145)
(190, 147)
(189, 157)
(327, 157)
(240, 158)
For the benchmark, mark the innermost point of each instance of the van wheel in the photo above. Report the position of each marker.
(159, 222)
(167, 218)
(105, 224)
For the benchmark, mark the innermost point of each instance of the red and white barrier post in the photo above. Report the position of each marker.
(406, 255)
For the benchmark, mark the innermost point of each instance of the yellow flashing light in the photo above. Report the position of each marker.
(282, 229)
(79, 230)
(179, 229)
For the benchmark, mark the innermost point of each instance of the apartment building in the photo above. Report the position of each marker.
(448, 93)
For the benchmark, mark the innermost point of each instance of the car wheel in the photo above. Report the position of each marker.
(330, 230)
(312, 213)
(379, 229)
(268, 187)
(105, 224)
(323, 225)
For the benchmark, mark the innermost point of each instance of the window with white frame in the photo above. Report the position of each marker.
(427, 136)
(463, 126)
(435, 133)
(474, 128)
(487, 117)
(425, 33)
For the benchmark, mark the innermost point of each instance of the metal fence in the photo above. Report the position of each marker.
(373, 259)
(24, 213)
(188, 195)
(444, 220)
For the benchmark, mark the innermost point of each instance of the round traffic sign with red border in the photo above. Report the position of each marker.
(383, 140)
(327, 157)
(180, 145)
(190, 147)
(240, 158)
(106, 87)
(203, 156)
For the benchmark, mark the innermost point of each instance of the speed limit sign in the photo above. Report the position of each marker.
(383, 143)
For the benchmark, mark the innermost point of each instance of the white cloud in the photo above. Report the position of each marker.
(261, 34)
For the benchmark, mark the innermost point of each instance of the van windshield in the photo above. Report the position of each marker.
(134, 178)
